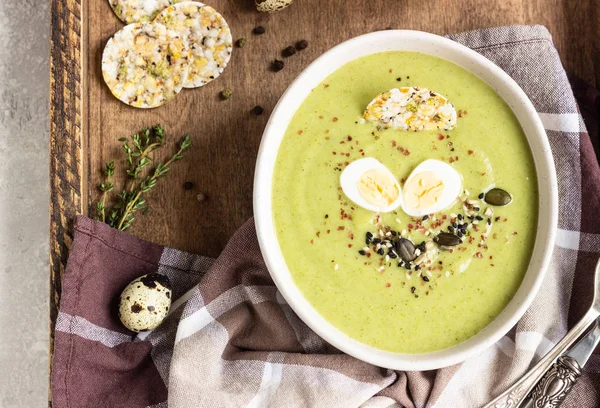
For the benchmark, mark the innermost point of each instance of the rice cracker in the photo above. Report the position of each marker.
(208, 35)
(145, 64)
(411, 108)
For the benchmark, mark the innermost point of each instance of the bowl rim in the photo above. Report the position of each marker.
(546, 224)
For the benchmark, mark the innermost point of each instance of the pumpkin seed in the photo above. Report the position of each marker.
(447, 239)
(406, 249)
(498, 197)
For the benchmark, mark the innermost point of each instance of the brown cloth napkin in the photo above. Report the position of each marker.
(232, 341)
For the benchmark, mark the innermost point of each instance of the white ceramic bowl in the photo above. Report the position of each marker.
(401, 40)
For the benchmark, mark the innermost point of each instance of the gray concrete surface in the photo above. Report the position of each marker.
(24, 186)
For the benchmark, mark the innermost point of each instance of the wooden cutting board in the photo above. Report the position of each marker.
(87, 121)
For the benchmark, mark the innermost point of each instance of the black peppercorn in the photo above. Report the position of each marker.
(301, 45)
(277, 65)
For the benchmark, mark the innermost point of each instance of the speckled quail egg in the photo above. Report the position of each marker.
(145, 302)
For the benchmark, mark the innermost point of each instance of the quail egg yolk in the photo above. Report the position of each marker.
(423, 190)
(378, 188)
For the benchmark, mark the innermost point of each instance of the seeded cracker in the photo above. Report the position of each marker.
(411, 108)
(209, 37)
(145, 64)
(134, 11)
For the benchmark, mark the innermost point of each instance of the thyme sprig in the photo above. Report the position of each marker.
(142, 178)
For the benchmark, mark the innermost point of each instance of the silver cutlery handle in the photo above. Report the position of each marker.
(514, 395)
(552, 389)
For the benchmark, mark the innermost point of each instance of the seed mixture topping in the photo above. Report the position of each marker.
(412, 109)
(145, 64)
(392, 247)
(134, 11)
(208, 35)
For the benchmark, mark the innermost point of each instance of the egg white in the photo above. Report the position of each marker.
(452, 186)
(351, 175)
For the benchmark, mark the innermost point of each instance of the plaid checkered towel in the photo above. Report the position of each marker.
(232, 341)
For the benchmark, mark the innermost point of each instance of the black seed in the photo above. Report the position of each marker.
(241, 42)
(258, 30)
(425, 217)
(476, 208)
(369, 234)
(398, 79)
(460, 217)
(455, 225)
(463, 231)
(392, 255)
(497, 197)
(421, 246)
(406, 249)
(417, 267)
(362, 252)
(400, 264)
(407, 266)
(479, 218)
(301, 45)
(368, 241)
(188, 185)
(471, 217)
(446, 239)
(258, 110)
(489, 221)
(459, 234)
(377, 241)
(412, 290)
(288, 51)
(381, 251)
(451, 228)
(394, 233)
(480, 196)
(326, 216)
(277, 65)
(425, 278)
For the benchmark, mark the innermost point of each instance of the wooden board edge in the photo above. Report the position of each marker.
(67, 171)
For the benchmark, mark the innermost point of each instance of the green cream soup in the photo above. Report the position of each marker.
(321, 231)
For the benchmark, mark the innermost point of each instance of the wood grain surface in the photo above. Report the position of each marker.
(87, 120)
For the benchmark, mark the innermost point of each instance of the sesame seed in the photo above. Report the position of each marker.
(452, 215)
(398, 221)
(387, 258)
(382, 268)
(447, 274)
(472, 202)
(336, 267)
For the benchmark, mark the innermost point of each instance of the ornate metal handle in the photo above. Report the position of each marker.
(551, 391)
(515, 395)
